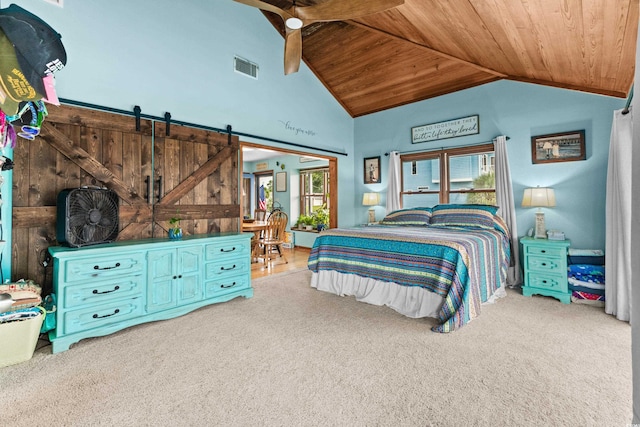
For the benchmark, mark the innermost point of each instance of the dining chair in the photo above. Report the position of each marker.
(259, 214)
(274, 236)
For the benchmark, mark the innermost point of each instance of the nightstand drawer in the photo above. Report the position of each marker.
(546, 251)
(547, 281)
(544, 263)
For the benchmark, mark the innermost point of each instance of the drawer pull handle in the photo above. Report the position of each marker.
(544, 264)
(227, 269)
(97, 267)
(229, 286)
(117, 310)
(228, 250)
(543, 251)
(95, 291)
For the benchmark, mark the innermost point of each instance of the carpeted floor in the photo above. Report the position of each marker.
(295, 356)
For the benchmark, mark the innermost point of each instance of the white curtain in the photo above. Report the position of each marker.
(618, 217)
(504, 199)
(393, 191)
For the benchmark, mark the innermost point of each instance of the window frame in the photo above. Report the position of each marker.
(443, 156)
(304, 196)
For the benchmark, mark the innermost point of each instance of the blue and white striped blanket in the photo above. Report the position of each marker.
(464, 266)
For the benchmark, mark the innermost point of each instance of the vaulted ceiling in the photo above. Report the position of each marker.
(427, 48)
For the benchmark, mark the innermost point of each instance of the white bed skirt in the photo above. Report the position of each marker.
(410, 301)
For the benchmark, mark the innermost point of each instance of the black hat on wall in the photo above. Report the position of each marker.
(38, 47)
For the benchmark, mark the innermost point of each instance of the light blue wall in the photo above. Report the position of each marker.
(177, 57)
(519, 110)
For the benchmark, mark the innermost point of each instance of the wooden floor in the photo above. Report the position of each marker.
(297, 258)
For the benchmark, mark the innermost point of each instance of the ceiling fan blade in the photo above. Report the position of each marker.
(340, 10)
(266, 6)
(292, 51)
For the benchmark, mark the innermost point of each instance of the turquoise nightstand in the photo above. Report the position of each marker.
(545, 268)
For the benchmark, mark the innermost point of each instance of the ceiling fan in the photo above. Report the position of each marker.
(296, 18)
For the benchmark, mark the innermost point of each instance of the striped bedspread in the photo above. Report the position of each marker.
(464, 266)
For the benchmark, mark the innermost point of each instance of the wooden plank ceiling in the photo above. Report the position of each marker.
(428, 48)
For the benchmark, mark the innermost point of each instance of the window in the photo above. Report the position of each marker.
(456, 175)
(314, 190)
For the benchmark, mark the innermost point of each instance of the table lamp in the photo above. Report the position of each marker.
(371, 199)
(539, 198)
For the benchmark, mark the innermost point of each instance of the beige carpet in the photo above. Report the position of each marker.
(294, 356)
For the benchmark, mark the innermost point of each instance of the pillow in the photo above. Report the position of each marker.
(486, 208)
(470, 216)
(410, 216)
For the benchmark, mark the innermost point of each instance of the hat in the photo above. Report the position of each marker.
(14, 86)
(38, 47)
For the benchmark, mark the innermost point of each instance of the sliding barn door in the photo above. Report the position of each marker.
(195, 179)
(192, 173)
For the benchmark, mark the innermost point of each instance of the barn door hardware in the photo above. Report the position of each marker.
(147, 196)
(229, 134)
(159, 188)
(167, 119)
(136, 111)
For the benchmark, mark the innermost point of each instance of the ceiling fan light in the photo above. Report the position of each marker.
(293, 23)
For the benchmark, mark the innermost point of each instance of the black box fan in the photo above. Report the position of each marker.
(87, 216)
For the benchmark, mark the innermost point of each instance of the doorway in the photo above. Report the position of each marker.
(270, 152)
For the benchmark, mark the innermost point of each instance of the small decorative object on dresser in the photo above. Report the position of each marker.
(545, 268)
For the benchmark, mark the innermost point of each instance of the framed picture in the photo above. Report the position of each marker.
(372, 170)
(558, 147)
(281, 181)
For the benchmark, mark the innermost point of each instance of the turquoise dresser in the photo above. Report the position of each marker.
(104, 288)
(545, 268)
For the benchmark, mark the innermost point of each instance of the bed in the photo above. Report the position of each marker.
(443, 262)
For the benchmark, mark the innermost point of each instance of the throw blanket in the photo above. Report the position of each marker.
(464, 266)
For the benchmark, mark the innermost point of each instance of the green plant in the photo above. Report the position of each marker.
(175, 222)
(304, 220)
(320, 216)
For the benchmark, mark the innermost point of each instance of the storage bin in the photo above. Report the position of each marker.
(18, 340)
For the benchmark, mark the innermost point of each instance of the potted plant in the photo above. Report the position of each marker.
(321, 218)
(175, 232)
(305, 222)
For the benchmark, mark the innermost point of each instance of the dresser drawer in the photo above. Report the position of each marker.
(227, 267)
(110, 266)
(101, 316)
(546, 251)
(551, 282)
(214, 251)
(227, 284)
(545, 264)
(99, 292)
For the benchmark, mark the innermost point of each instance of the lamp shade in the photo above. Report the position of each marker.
(371, 199)
(538, 197)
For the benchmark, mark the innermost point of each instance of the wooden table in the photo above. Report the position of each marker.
(256, 227)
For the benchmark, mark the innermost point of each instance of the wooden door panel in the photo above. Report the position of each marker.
(79, 147)
(193, 163)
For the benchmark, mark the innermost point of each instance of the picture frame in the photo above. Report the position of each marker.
(372, 170)
(558, 147)
(281, 181)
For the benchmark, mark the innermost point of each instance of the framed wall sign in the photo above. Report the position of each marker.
(448, 129)
(372, 170)
(558, 147)
(281, 181)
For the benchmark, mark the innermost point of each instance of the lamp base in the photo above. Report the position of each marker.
(541, 231)
(372, 216)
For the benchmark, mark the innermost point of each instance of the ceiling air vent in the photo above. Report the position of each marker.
(245, 67)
